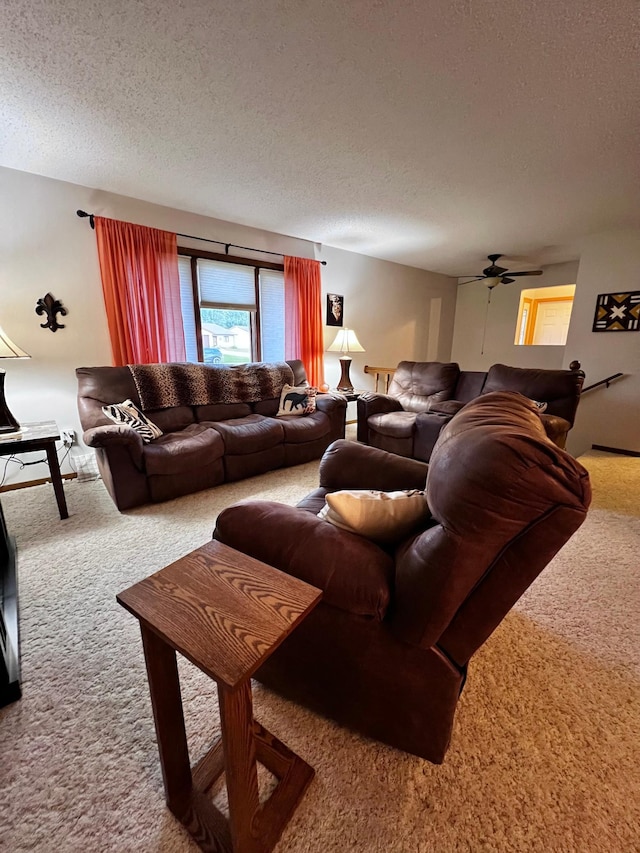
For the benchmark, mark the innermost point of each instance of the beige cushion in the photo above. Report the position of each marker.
(297, 401)
(383, 516)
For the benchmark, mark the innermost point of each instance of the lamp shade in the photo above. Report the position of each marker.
(346, 341)
(8, 349)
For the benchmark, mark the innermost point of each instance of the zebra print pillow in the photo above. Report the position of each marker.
(129, 414)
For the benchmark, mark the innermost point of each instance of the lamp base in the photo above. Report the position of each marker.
(7, 422)
(345, 381)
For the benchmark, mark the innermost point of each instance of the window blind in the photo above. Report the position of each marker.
(225, 285)
(271, 285)
(188, 308)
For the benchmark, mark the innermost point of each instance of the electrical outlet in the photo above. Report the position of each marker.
(68, 437)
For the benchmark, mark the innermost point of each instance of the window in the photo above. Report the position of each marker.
(232, 308)
(544, 316)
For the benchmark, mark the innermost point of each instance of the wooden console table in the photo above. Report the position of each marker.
(40, 436)
(226, 613)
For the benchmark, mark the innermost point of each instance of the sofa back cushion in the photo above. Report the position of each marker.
(469, 385)
(418, 384)
(173, 420)
(493, 478)
(559, 389)
(267, 408)
(222, 411)
(299, 372)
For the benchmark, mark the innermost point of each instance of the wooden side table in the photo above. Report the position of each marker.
(40, 436)
(226, 613)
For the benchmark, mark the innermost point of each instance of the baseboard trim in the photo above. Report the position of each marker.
(615, 450)
(10, 487)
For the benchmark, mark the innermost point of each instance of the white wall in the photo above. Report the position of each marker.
(388, 307)
(501, 319)
(609, 263)
(45, 247)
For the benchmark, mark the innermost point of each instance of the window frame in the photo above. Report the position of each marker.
(254, 316)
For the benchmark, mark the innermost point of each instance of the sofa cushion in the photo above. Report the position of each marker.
(176, 452)
(297, 401)
(418, 384)
(128, 414)
(381, 516)
(393, 424)
(309, 428)
(248, 435)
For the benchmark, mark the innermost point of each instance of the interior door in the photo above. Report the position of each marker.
(552, 322)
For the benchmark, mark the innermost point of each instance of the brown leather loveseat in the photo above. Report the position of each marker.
(424, 396)
(386, 651)
(230, 434)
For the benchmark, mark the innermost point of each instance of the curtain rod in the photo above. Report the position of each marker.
(83, 215)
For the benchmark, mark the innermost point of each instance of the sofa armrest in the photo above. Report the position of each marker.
(349, 465)
(354, 573)
(116, 434)
(330, 403)
(373, 404)
(556, 428)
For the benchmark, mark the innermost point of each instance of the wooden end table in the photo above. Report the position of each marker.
(226, 613)
(40, 436)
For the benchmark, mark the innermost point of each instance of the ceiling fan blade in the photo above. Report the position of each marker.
(471, 278)
(527, 272)
(493, 271)
(505, 280)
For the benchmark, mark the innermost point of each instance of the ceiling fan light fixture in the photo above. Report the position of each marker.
(499, 275)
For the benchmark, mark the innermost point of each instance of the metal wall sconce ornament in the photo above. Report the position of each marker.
(51, 307)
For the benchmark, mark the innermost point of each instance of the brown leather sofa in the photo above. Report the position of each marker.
(424, 396)
(201, 446)
(386, 651)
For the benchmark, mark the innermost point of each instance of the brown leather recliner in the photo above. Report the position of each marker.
(388, 421)
(386, 652)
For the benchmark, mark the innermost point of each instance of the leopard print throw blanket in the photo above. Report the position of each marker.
(162, 386)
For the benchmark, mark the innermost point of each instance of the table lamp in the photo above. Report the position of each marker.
(8, 350)
(345, 342)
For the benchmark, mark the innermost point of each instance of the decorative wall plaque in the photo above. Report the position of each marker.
(617, 312)
(51, 307)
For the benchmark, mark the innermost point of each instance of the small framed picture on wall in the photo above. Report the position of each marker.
(335, 309)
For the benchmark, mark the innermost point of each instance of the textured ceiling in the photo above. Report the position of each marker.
(430, 132)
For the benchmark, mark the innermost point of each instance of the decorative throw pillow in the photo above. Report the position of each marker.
(129, 414)
(297, 401)
(383, 516)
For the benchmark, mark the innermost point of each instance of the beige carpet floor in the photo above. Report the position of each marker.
(546, 747)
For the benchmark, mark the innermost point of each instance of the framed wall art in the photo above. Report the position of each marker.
(617, 312)
(335, 309)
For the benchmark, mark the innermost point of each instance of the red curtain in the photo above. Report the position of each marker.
(141, 286)
(303, 316)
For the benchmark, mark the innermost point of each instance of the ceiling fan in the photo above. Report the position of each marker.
(495, 272)
(495, 275)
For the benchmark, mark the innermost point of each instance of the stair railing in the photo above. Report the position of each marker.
(606, 382)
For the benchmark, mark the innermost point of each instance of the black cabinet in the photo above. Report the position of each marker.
(9, 631)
